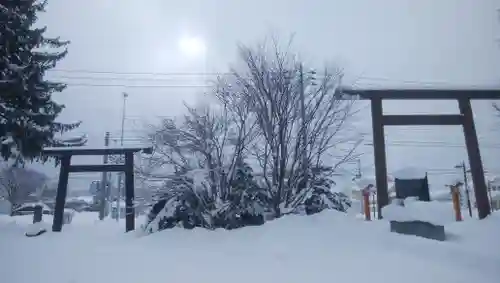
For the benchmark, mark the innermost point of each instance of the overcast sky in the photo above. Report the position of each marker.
(379, 43)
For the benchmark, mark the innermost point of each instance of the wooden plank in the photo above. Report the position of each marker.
(62, 151)
(379, 154)
(129, 192)
(62, 188)
(97, 168)
(426, 94)
(476, 165)
(421, 120)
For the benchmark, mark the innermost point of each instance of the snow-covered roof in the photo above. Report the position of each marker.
(410, 173)
(33, 204)
(122, 203)
(365, 181)
(82, 198)
(70, 148)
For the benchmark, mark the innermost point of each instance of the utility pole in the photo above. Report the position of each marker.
(304, 127)
(120, 174)
(466, 186)
(104, 183)
(358, 174)
(365, 201)
(489, 193)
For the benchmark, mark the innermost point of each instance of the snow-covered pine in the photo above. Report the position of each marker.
(27, 112)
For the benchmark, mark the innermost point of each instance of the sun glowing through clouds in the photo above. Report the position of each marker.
(192, 47)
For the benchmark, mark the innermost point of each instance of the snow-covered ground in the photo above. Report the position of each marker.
(328, 247)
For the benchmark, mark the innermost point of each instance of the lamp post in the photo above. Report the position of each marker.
(118, 198)
(124, 108)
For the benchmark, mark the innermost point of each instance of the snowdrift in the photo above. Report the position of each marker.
(328, 246)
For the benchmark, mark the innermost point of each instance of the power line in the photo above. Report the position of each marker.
(423, 144)
(432, 172)
(437, 143)
(406, 131)
(425, 83)
(135, 86)
(87, 71)
(164, 86)
(204, 74)
(188, 86)
(116, 78)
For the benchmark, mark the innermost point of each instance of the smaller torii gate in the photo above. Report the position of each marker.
(65, 154)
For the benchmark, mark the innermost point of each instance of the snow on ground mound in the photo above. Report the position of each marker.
(435, 212)
(36, 229)
(328, 246)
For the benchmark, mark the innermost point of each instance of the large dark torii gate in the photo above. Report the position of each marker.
(465, 118)
(65, 154)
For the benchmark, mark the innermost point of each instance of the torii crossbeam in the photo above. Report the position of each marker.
(65, 154)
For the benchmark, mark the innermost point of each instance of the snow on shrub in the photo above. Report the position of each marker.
(320, 197)
(36, 229)
(188, 203)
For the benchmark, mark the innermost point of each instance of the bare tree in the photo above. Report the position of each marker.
(18, 183)
(270, 114)
(271, 85)
(143, 170)
(209, 138)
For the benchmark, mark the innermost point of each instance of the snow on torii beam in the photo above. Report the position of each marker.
(465, 118)
(65, 154)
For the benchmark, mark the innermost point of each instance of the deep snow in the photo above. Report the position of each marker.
(330, 246)
(435, 212)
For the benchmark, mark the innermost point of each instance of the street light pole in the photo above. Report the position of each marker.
(124, 108)
(104, 190)
(118, 198)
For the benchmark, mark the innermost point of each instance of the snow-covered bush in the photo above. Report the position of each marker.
(244, 203)
(184, 205)
(320, 196)
(180, 206)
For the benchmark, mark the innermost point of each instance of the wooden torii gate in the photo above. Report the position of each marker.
(464, 118)
(65, 154)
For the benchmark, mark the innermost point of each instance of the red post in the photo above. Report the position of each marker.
(455, 196)
(366, 202)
